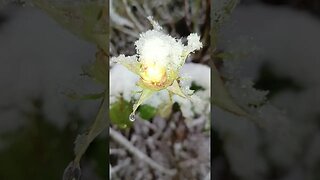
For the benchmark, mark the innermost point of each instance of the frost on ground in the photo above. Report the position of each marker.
(170, 144)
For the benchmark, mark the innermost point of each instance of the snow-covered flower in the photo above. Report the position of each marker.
(158, 61)
(198, 105)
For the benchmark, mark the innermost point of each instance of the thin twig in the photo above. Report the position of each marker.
(123, 141)
(132, 17)
(117, 19)
(120, 166)
(126, 31)
(119, 151)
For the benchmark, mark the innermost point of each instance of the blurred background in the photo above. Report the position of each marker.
(40, 112)
(267, 54)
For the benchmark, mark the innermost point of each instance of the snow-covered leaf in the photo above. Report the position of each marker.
(221, 96)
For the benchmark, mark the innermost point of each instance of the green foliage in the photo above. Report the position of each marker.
(89, 21)
(98, 70)
(100, 123)
(196, 87)
(120, 112)
(147, 112)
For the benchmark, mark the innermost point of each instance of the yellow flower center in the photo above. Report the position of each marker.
(153, 73)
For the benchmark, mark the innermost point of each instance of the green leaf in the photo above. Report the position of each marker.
(83, 141)
(195, 87)
(120, 112)
(147, 112)
(98, 70)
(85, 19)
(221, 96)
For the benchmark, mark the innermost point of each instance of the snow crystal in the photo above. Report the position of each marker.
(158, 48)
(193, 43)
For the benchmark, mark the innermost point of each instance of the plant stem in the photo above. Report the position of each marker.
(124, 142)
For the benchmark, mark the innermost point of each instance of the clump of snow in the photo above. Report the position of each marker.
(159, 52)
(159, 98)
(198, 74)
(122, 83)
(193, 43)
(158, 48)
(122, 58)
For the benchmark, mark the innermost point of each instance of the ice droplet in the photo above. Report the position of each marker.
(132, 117)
